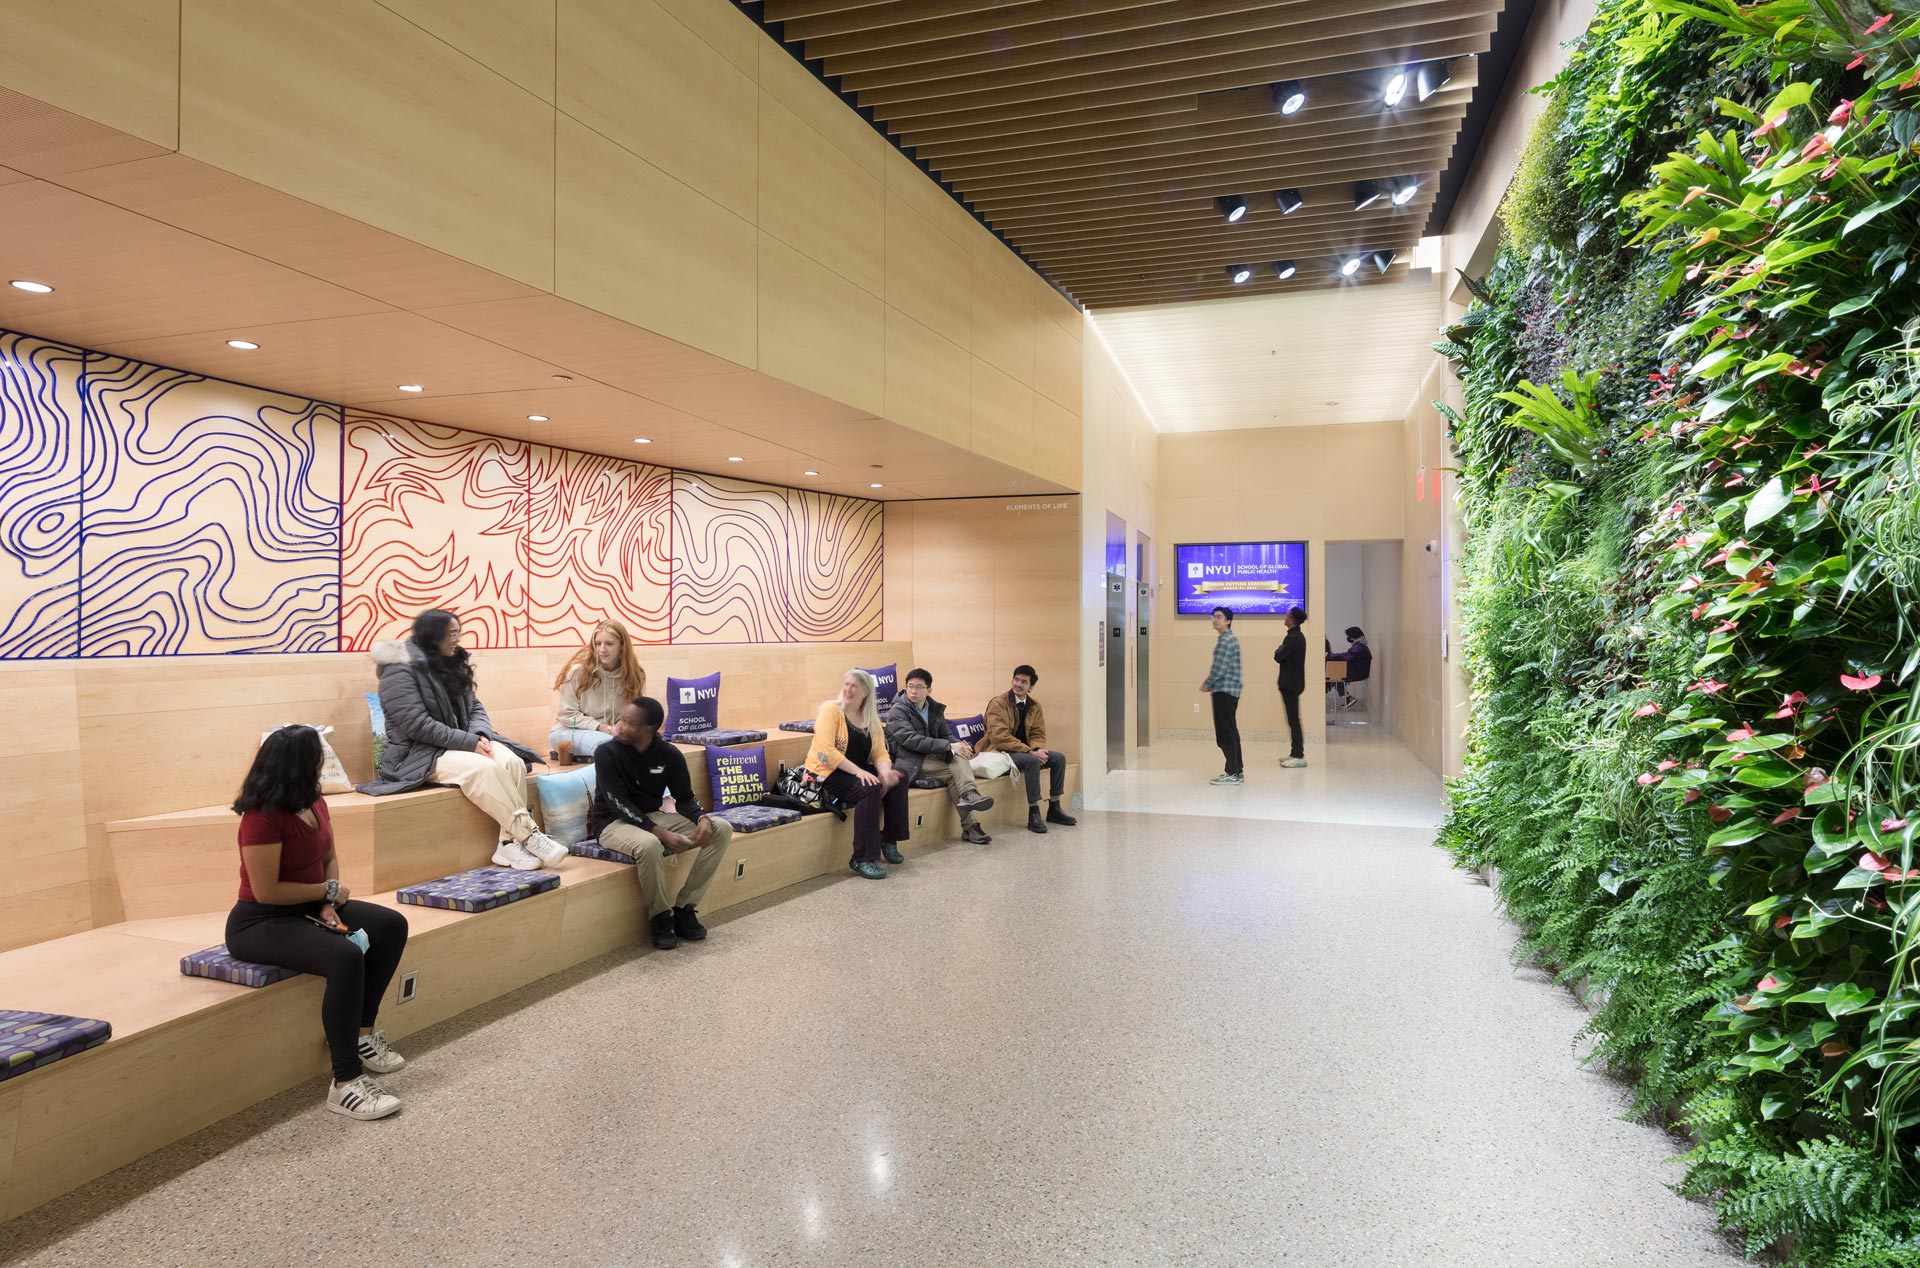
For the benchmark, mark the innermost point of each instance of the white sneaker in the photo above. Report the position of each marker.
(544, 848)
(1293, 761)
(362, 1098)
(376, 1056)
(512, 854)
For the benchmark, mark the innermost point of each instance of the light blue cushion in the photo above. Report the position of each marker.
(565, 798)
(377, 717)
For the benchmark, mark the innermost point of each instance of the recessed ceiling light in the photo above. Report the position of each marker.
(245, 345)
(736, 459)
(1350, 267)
(411, 387)
(1232, 206)
(563, 378)
(641, 440)
(876, 486)
(1290, 96)
(1404, 189)
(536, 418)
(811, 473)
(1289, 201)
(1239, 273)
(1396, 87)
(38, 288)
(1284, 269)
(1366, 194)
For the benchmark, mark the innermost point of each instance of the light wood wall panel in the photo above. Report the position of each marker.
(1002, 325)
(45, 889)
(116, 62)
(789, 83)
(819, 201)
(929, 381)
(651, 85)
(349, 105)
(1056, 442)
(513, 38)
(1002, 416)
(1056, 362)
(928, 273)
(819, 330)
(635, 243)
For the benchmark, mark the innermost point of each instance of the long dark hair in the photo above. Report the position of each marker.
(285, 774)
(455, 672)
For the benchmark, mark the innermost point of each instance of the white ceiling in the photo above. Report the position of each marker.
(1352, 355)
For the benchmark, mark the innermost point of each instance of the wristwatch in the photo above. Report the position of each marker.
(333, 891)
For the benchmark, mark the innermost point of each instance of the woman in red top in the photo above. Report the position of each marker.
(295, 913)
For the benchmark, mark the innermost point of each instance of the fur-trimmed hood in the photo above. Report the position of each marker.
(396, 651)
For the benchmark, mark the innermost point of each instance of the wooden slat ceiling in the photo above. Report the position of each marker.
(1095, 135)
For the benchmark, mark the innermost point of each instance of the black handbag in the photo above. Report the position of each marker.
(797, 788)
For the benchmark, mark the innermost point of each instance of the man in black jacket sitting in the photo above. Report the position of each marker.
(923, 747)
(632, 773)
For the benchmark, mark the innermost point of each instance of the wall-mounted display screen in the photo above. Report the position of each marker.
(1246, 578)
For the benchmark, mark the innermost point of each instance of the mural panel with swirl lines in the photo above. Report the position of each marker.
(210, 516)
(39, 497)
(435, 517)
(732, 554)
(597, 546)
(836, 574)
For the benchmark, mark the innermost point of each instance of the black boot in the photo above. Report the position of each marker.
(687, 926)
(1056, 815)
(1033, 820)
(663, 935)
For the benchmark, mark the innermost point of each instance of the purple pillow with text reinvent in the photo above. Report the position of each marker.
(693, 704)
(886, 682)
(738, 775)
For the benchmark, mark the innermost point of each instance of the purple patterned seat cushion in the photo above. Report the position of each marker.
(217, 964)
(482, 889)
(804, 724)
(31, 1040)
(592, 849)
(721, 738)
(756, 818)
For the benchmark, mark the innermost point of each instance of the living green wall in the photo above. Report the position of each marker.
(1688, 461)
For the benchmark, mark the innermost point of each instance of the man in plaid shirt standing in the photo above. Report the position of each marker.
(1223, 684)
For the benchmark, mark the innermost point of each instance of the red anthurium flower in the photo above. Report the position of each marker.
(1693, 795)
(1740, 733)
(1769, 125)
(1701, 611)
(1827, 172)
(1879, 22)
(1692, 194)
(1708, 686)
(1815, 777)
(1691, 583)
(1910, 81)
(1787, 816)
(1782, 920)
(1733, 481)
(1646, 710)
(1873, 862)
(1859, 60)
(1815, 486)
(1815, 147)
(1841, 113)
(1666, 765)
(1892, 825)
(1648, 778)
(1719, 814)
(1768, 983)
(1852, 683)
(1726, 627)
(1875, 903)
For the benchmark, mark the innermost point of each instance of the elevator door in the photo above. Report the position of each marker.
(1116, 670)
(1141, 694)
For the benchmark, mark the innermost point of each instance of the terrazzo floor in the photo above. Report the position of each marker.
(1223, 1036)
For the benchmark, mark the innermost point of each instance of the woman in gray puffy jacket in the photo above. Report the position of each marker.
(438, 732)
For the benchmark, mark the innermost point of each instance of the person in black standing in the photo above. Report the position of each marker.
(1291, 656)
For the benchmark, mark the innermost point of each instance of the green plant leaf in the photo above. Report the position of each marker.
(1767, 501)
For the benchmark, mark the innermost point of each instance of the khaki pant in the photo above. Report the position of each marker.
(497, 784)
(649, 858)
(956, 774)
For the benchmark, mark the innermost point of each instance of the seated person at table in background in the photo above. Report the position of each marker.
(633, 772)
(1017, 726)
(923, 747)
(594, 687)
(1359, 658)
(294, 912)
(849, 756)
(438, 732)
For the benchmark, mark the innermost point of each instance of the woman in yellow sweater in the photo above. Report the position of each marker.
(849, 756)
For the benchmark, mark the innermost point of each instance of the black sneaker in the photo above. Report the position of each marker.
(664, 938)
(1033, 820)
(687, 926)
(1056, 815)
(976, 834)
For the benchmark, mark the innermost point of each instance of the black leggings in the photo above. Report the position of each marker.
(1292, 700)
(356, 980)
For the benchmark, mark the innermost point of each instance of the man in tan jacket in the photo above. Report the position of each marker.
(1017, 726)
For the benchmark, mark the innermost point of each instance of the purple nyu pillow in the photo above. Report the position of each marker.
(968, 730)
(738, 775)
(693, 704)
(886, 682)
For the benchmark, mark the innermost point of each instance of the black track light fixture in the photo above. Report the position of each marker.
(1284, 269)
(1430, 79)
(1289, 201)
(1383, 260)
(1367, 193)
(1290, 97)
(1239, 274)
(1232, 206)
